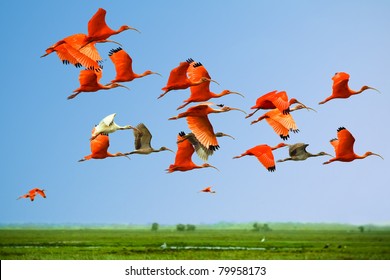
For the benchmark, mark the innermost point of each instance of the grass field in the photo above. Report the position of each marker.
(201, 244)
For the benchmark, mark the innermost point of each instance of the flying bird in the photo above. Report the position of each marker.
(343, 147)
(99, 148)
(179, 79)
(199, 123)
(183, 159)
(108, 125)
(201, 92)
(124, 66)
(273, 100)
(200, 149)
(69, 52)
(281, 123)
(89, 82)
(142, 141)
(264, 154)
(99, 30)
(298, 152)
(207, 190)
(340, 88)
(32, 193)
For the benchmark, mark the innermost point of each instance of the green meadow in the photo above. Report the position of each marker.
(279, 242)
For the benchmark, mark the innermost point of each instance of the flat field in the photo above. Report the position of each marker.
(202, 244)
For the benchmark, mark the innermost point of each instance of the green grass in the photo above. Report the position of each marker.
(122, 244)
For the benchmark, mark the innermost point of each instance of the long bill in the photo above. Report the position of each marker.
(374, 154)
(374, 89)
(211, 80)
(234, 92)
(237, 109)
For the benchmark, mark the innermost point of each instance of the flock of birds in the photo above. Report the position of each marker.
(80, 50)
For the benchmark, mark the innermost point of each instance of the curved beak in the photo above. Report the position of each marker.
(377, 155)
(237, 109)
(234, 92)
(123, 86)
(212, 166)
(328, 154)
(135, 29)
(106, 41)
(210, 80)
(308, 108)
(374, 89)
(224, 134)
(157, 73)
(167, 149)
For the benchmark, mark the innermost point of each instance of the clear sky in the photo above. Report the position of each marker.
(252, 47)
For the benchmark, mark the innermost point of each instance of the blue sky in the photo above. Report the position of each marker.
(252, 47)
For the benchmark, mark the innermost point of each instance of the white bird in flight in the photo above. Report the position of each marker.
(107, 125)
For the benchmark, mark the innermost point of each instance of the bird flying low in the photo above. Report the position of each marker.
(340, 88)
(142, 141)
(99, 148)
(264, 154)
(199, 123)
(274, 100)
(207, 190)
(200, 149)
(107, 125)
(89, 82)
(32, 193)
(124, 66)
(343, 147)
(179, 77)
(298, 152)
(281, 123)
(183, 159)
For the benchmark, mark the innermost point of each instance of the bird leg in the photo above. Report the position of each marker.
(251, 114)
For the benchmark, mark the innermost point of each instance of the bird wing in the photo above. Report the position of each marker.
(203, 130)
(202, 152)
(178, 74)
(77, 41)
(97, 26)
(64, 55)
(297, 149)
(100, 144)
(264, 154)
(346, 142)
(340, 85)
(122, 62)
(88, 78)
(280, 100)
(195, 72)
(142, 137)
(264, 102)
(41, 193)
(81, 58)
(279, 128)
(286, 120)
(184, 152)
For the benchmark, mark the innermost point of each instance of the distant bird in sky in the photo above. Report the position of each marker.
(281, 123)
(99, 30)
(272, 100)
(298, 152)
(99, 148)
(200, 149)
(89, 82)
(32, 193)
(343, 147)
(178, 78)
(124, 66)
(200, 93)
(142, 141)
(207, 190)
(108, 125)
(340, 88)
(199, 123)
(264, 154)
(183, 159)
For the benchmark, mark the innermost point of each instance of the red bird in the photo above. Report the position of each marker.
(89, 82)
(264, 154)
(199, 123)
(208, 190)
(343, 146)
(98, 29)
(183, 159)
(99, 148)
(201, 92)
(124, 66)
(32, 193)
(340, 88)
(272, 100)
(178, 78)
